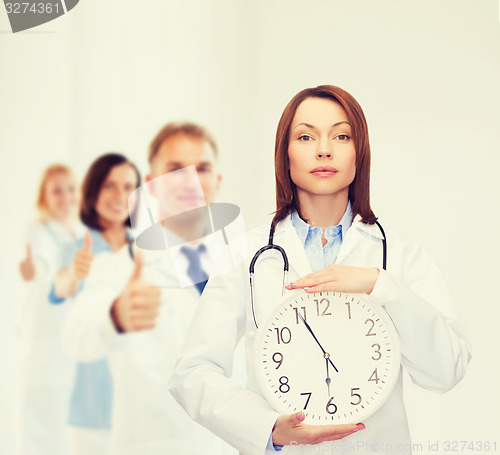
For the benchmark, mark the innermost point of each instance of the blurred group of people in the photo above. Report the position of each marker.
(89, 384)
(152, 362)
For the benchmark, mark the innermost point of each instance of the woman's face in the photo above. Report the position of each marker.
(321, 149)
(61, 196)
(112, 202)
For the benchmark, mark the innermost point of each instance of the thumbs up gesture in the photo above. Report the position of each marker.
(83, 259)
(27, 267)
(137, 307)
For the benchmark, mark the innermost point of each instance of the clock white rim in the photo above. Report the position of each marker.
(381, 313)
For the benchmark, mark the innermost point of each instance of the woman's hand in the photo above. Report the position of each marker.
(290, 430)
(83, 259)
(341, 278)
(27, 266)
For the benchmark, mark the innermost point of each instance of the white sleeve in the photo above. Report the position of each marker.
(434, 349)
(42, 251)
(88, 331)
(201, 382)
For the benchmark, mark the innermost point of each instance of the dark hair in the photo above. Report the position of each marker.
(92, 184)
(359, 189)
(173, 128)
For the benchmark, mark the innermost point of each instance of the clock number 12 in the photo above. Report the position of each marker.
(324, 313)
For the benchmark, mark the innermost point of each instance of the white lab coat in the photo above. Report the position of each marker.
(145, 417)
(434, 350)
(46, 371)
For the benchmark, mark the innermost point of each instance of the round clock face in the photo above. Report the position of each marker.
(333, 355)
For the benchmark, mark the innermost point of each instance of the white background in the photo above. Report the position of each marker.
(108, 74)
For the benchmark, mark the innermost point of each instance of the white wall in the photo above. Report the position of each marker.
(107, 75)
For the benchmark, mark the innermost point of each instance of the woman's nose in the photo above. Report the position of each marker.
(324, 150)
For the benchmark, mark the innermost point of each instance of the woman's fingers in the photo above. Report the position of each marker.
(313, 279)
(340, 278)
(324, 287)
(290, 429)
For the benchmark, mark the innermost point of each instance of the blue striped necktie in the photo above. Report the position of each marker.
(195, 271)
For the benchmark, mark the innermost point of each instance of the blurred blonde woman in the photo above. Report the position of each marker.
(46, 373)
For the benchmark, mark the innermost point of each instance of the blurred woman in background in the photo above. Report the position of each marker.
(46, 373)
(105, 211)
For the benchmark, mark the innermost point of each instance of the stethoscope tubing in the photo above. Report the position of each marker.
(272, 246)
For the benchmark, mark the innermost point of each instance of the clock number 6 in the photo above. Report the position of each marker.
(329, 406)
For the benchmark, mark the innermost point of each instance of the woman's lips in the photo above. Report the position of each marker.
(324, 171)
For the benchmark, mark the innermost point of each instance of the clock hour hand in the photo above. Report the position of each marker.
(327, 380)
(319, 344)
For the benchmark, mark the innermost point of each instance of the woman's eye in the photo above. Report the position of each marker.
(343, 137)
(305, 138)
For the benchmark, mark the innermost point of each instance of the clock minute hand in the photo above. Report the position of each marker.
(319, 344)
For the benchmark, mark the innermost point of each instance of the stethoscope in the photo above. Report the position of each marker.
(272, 246)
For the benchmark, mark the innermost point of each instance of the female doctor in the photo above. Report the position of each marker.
(105, 212)
(46, 372)
(324, 222)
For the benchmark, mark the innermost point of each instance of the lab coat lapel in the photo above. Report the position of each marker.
(352, 237)
(356, 232)
(286, 236)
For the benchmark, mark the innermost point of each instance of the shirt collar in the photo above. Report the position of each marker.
(303, 228)
(99, 243)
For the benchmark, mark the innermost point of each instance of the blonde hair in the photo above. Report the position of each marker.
(49, 172)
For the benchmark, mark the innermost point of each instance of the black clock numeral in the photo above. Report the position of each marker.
(284, 387)
(374, 376)
(279, 361)
(331, 408)
(377, 351)
(318, 302)
(303, 308)
(369, 333)
(348, 309)
(355, 395)
(308, 398)
(284, 335)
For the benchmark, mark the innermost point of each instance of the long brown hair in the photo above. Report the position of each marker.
(92, 184)
(359, 189)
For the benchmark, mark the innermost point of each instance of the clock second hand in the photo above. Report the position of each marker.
(319, 344)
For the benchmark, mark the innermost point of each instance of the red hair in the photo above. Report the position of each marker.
(359, 189)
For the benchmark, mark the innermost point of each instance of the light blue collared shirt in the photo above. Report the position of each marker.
(92, 397)
(321, 256)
